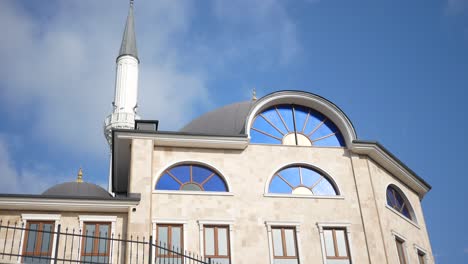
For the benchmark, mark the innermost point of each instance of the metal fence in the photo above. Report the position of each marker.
(42, 244)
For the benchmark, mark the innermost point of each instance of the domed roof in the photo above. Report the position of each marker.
(227, 120)
(77, 189)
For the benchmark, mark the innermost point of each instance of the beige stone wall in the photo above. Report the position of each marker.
(70, 224)
(414, 232)
(248, 172)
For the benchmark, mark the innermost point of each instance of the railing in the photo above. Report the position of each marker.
(20, 244)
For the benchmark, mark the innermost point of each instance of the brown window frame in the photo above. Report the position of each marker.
(283, 242)
(400, 244)
(169, 241)
(215, 238)
(38, 240)
(96, 238)
(335, 244)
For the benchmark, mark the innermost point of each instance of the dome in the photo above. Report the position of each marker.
(227, 120)
(77, 189)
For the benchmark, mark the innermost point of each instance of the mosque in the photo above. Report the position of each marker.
(281, 179)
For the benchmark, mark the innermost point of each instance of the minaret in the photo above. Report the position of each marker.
(126, 84)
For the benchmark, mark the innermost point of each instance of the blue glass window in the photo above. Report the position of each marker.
(190, 177)
(396, 201)
(301, 180)
(295, 125)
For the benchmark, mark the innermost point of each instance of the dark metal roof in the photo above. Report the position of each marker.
(77, 189)
(128, 46)
(226, 121)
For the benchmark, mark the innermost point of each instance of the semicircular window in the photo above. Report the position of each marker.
(302, 181)
(295, 125)
(191, 177)
(397, 201)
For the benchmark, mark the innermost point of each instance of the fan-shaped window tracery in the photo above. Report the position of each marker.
(301, 180)
(191, 177)
(397, 201)
(295, 125)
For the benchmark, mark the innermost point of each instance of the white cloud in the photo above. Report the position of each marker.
(58, 68)
(31, 180)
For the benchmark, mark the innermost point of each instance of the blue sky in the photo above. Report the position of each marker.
(399, 69)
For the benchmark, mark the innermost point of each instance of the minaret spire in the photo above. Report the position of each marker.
(124, 111)
(128, 46)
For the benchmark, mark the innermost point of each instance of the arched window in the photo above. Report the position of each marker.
(397, 201)
(302, 181)
(295, 125)
(191, 177)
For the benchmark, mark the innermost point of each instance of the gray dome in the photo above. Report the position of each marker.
(227, 121)
(77, 189)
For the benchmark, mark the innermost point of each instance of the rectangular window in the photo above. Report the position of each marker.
(336, 246)
(169, 239)
(421, 257)
(217, 244)
(401, 250)
(96, 242)
(284, 245)
(38, 242)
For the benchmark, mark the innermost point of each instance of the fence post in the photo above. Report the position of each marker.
(150, 248)
(209, 260)
(57, 244)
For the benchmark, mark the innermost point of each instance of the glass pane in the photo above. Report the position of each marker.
(277, 185)
(209, 241)
(285, 111)
(338, 261)
(277, 242)
(315, 119)
(272, 115)
(191, 187)
(166, 182)
(329, 244)
(309, 177)
(89, 243)
(290, 242)
(103, 232)
(324, 187)
(291, 175)
(301, 116)
(262, 124)
(199, 173)
(162, 236)
(421, 258)
(258, 137)
(285, 261)
(215, 184)
(220, 261)
(222, 242)
(401, 253)
(182, 173)
(176, 239)
(46, 238)
(32, 235)
(35, 260)
(341, 243)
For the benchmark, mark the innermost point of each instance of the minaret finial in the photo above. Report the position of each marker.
(79, 178)
(254, 94)
(131, 2)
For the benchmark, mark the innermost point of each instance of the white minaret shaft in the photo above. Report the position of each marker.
(126, 82)
(125, 105)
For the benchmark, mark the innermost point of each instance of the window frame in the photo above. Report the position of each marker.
(412, 220)
(216, 242)
(162, 171)
(400, 238)
(270, 225)
(229, 223)
(284, 249)
(169, 240)
(423, 253)
(99, 219)
(96, 238)
(25, 218)
(336, 225)
(335, 244)
(37, 246)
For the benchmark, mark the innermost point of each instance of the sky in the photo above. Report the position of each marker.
(398, 69)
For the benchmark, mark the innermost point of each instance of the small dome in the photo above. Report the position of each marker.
(77, 189)
(228, 120)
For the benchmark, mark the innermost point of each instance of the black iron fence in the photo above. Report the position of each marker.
(42, 242)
